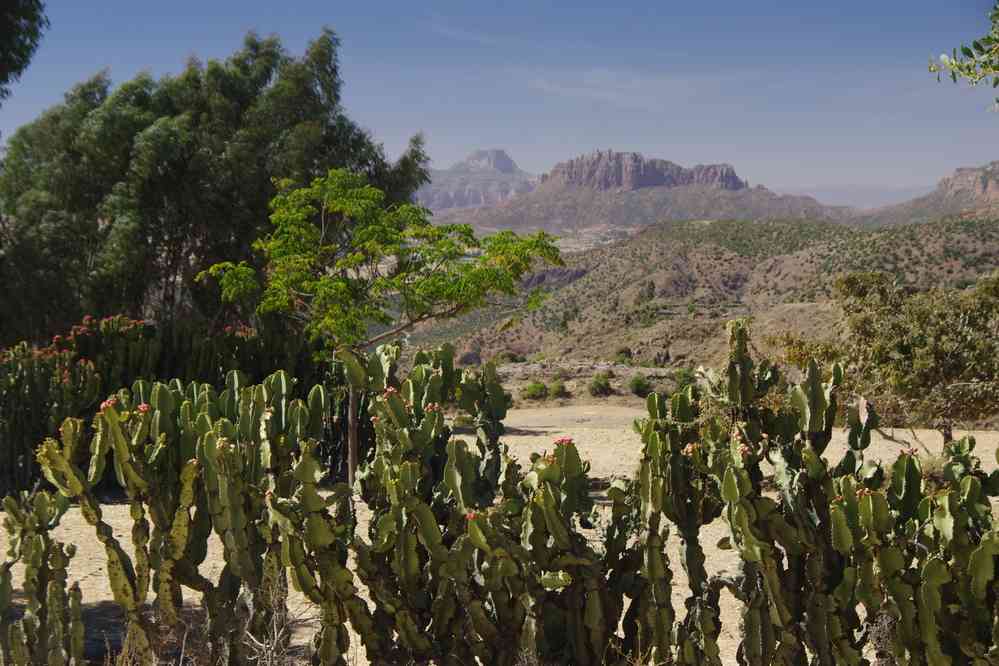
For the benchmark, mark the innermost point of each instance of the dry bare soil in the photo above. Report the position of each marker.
(604, 436)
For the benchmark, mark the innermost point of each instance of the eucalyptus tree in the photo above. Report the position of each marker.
(22, 23)
(115, 199)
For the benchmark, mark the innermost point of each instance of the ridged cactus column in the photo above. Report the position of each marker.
(51, 629)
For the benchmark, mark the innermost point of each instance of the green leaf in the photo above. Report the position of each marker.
(556, 580)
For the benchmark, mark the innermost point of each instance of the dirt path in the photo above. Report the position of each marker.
(604, 436)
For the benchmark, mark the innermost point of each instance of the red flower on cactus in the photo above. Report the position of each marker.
(110, 402)
(142, 408)
(471, 515)
(911, 451)
(375, 420)
(390, 391)
(564, 441)
(432, 408)
(88, 320)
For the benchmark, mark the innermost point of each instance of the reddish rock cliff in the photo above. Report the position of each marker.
(608, 170)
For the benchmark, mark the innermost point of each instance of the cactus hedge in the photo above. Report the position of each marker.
(471, 556)
(42, 386)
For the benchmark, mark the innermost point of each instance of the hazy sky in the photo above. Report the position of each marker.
(794, 93)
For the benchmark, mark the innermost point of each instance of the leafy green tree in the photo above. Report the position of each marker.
(22, 23)
(977, 62)
(353, 268)
(929, 357)
(114, 200)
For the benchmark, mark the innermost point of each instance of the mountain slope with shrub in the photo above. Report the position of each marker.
(972, 191)
(665, 293)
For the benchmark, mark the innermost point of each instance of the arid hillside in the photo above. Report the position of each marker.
(665, 294)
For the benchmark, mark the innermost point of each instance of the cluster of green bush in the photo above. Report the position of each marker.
(538, 390)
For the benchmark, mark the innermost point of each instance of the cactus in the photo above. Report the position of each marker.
(56, 460)
(191, 462)
(676, 483)
(470, 558)
(51, 629)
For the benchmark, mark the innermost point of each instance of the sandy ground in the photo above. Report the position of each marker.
(604, 436)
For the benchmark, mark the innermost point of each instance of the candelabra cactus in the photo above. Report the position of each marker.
(677, 481)
(129, 583)
(51, 628)
(192, 462)
(314, 549)
(573, 607)
(471, 559)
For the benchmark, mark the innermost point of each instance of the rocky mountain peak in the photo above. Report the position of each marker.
(492, 158)
(484, 178)
(609, 170)
(979, 184)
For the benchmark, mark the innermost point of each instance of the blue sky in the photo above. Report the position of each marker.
(795, 94)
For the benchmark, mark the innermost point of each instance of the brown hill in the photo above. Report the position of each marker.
(665, 293)
(972, 191)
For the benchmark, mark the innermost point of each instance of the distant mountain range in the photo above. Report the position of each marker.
(608, 195)
(694, 246)
(484, 178)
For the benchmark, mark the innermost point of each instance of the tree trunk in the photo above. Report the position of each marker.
(352, 426)
(947, 430)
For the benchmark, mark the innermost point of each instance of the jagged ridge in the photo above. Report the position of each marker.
(609, 170)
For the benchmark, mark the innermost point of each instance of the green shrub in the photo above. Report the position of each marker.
(507, 356)
(557, 389)
(623, 356)
(535, 390)
(600, 384)
(640, 386)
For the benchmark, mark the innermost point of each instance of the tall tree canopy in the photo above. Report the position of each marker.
(114, 200)
(22, 23)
